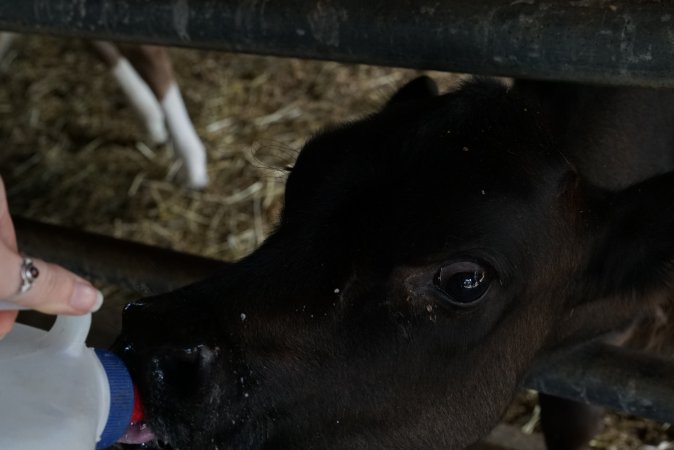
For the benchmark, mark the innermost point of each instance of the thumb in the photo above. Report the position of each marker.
(54, 291)
(7, 319)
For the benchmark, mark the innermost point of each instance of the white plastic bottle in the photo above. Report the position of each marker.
(57, 394)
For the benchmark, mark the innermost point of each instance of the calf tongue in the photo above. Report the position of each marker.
(138, 431)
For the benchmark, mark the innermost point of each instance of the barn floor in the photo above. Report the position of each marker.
(73, 154)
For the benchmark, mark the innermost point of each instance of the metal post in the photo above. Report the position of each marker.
(618, 42)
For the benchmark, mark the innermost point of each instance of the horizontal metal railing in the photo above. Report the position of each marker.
(616, 42)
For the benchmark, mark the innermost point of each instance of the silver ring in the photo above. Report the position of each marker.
(29, 274)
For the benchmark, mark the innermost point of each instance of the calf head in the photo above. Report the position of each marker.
(425, 256)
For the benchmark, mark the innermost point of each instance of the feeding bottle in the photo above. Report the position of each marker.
(58, 394)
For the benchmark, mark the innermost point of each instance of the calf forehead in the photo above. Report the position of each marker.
(461, 167)
(511, 226)
(480, 137)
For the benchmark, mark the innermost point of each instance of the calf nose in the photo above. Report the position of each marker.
(148, 315)
(135, 317)
(167, 327)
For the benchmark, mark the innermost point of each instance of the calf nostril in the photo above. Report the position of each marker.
(132, 319)
(141, 314)
(132, 310)
(134, 307)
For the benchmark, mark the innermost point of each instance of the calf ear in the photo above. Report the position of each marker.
(420, 88)
(635, 249)
(631, 250)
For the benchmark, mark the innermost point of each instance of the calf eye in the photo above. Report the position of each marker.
(464, 283)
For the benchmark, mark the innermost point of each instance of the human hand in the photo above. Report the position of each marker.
(54, 291)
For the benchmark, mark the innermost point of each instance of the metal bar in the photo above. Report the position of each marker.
(139, 267)
(508, 437)
(617, 378)
(616, 42)
(614, 377)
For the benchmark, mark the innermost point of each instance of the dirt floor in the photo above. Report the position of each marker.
(72, 153)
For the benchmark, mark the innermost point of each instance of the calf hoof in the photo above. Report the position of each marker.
(156, 132)
(189, 148)
(197, 176)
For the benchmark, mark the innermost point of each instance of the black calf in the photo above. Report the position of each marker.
(426, 255)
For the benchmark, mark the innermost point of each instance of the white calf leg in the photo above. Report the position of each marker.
(142, 99)
(185, 140)
(6, 40)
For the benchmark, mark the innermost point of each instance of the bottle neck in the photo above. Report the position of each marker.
(121, 405)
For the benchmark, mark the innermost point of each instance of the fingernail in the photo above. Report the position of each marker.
(99, 301)
(86, 298)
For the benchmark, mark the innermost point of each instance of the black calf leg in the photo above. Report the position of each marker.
(568, 425)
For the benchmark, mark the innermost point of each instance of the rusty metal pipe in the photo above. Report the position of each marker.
(617, 378)
(592, 41)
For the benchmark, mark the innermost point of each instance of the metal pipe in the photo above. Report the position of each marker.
(139, 267)
(616, 42)
(617, 378)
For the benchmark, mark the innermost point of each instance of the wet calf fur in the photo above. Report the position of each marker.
(425, 257)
